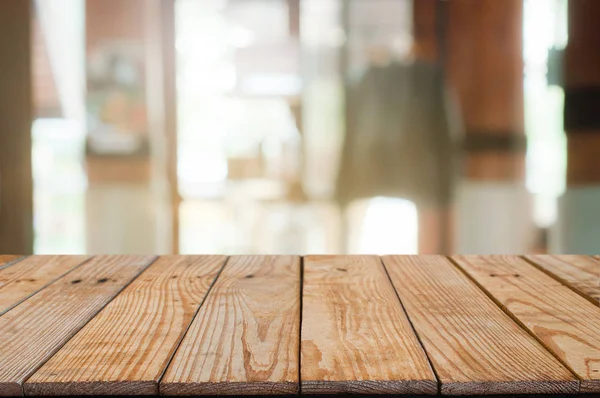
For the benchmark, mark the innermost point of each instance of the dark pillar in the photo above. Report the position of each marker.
(579, 215)
(16, 187)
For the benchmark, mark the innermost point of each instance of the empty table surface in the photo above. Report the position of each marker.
(289, 325)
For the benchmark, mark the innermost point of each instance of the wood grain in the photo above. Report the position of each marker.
(356, 337)
(33, 331)
(125, 349)
(245, 338)
(566, 323)
(475, 348)
(7, 259)
(28, 276)
(582, 273)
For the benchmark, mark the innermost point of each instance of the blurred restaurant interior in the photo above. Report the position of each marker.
(299, 126)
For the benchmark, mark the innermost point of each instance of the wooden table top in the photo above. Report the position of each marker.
(267, 325)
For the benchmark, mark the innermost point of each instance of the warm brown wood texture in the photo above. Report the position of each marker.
(488, 84)
(475, 348)
(260, 325)
(566, 323)
(245, 337)
(21, 280)
(125, 349)
(582, 273)
(7, 259)
(33, 331)
(355, 335)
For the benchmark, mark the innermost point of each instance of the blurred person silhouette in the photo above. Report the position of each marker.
(400, 141)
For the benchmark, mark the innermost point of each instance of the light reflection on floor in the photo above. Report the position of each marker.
(389, 226)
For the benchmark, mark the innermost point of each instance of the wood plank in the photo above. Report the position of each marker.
(245, 338)
(125, 349)
(32, 332)
(475, 348)
(566, 323)
(356, 337)
(582, 273)
(28, 276)
(6, 260)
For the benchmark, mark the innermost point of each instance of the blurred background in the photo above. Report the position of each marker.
(299, 126)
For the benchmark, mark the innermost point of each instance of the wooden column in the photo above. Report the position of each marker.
(16, 187)
(485, 68)
(582, 94)
(485, 65)
(425, 28)
(579, 216)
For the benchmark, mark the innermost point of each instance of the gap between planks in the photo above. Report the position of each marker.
(356, 337)
(300, 325)
(6, 260)
(475, 347)
(125, 349)
(503, 307)
(31, 275)
(32, 332)
(563, 267)
(437, 377)
(564, 322)
(396, 292)
(162, 375)
(244, 339)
